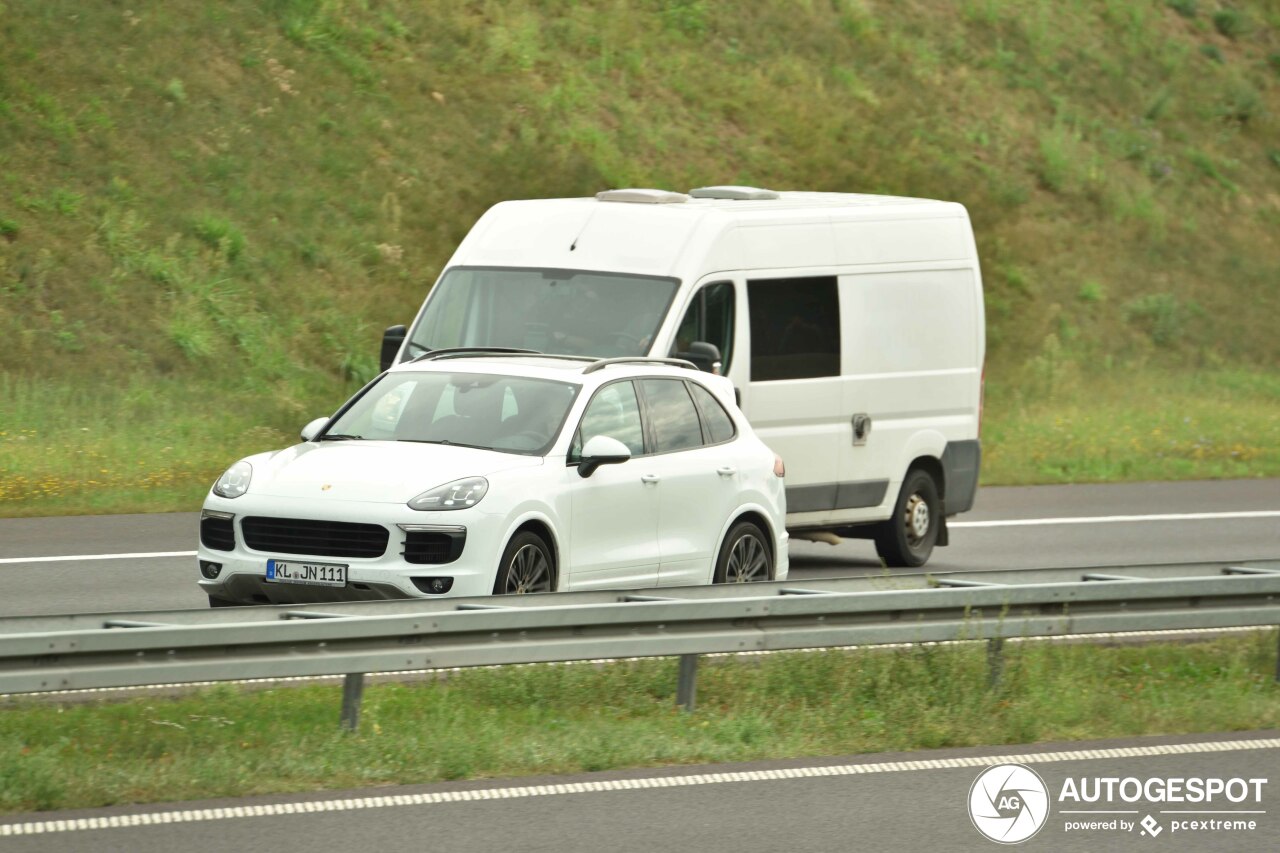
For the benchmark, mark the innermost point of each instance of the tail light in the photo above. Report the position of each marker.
(779, 469)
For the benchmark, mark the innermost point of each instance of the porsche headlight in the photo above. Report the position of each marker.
(235, 482)
(460, 494)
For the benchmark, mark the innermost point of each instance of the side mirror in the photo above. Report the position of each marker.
(312, 429)
(392, 339)
(601, 450)
(706, 356)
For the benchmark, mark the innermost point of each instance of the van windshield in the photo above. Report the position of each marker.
(570, 312)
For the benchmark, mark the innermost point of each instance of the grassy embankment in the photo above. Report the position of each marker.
(562, 719)
(209, 211)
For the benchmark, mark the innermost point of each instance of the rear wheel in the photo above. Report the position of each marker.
(527, 566)
(908, 536)
(744, 556)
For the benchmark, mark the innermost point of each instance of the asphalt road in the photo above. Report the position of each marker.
(1009, 528)
(868, 802)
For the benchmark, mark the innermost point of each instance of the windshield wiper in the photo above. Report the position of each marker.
(339, 437)
(446, 442)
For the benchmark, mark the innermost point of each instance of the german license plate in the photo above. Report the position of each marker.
(308, 574)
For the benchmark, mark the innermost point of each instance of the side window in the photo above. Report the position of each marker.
(710, 319)
(715, 420)
(672, 416)
(795, 328)
(615, 412)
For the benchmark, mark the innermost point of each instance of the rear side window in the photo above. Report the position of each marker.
(795, 328)
(715, 420)
(672, 415)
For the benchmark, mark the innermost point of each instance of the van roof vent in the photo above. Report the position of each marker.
(735, 193)
(642, 196)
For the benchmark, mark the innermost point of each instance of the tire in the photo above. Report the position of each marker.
(907, 538)
(527, 566)
(745, 556)
(221, 602)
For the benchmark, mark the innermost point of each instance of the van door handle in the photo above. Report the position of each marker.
(650, 478)
(861, 428)
(726, 471)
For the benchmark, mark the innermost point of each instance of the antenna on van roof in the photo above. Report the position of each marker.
(735, 193)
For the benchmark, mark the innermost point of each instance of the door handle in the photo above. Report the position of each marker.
(861, 428)
(649, 478)
(726, 471)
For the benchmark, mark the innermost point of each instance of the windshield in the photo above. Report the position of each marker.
(567, 312)
(506, 413)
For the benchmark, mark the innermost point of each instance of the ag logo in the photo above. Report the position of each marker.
(1008, 803)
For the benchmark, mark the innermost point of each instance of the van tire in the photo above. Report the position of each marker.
(745, 556)
(907, 538)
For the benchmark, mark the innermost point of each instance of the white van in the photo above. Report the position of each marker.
(851, 325)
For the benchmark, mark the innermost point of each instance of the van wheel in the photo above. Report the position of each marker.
(908, 536)
(526, 566)
(744, 556)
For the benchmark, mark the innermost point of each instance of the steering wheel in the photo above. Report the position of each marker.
(628, 342)
(527, 439)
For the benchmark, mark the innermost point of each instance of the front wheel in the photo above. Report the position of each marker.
(745, 556)
(526, 566)
(907, 538)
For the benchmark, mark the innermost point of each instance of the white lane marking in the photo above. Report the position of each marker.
(78, 557)
(1012, 522)
(1113, 519)
(592, 787)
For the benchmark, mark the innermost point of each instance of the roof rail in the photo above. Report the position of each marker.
(602, 363)
(462, 352)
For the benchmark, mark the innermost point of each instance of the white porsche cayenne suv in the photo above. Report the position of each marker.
(467, 473)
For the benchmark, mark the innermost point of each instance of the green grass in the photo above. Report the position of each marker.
(1064, 427)
(562, 719)
(225, 203)
(157, 447)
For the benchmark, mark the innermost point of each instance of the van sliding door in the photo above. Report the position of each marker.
(794, 395)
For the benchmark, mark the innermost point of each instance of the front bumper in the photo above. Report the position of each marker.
(468, 558)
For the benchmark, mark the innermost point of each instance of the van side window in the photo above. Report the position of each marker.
(716, 422)
(615, 412)
(672, 416)
(709, 319)
(795, 328)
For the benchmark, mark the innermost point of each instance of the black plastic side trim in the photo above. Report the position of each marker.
(829, 496)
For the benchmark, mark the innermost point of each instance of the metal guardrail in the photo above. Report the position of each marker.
(52, 653)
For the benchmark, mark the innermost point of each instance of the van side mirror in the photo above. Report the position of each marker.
(601, 450)
(392, 339)
(704, 355)
(312, 429)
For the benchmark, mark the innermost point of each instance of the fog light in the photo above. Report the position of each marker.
(210, 570)
(433, 586)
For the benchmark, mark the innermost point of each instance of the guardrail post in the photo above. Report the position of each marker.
(687, 685)
(352, 693)
(995, 662)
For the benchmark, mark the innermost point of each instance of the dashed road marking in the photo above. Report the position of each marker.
(605, 785)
